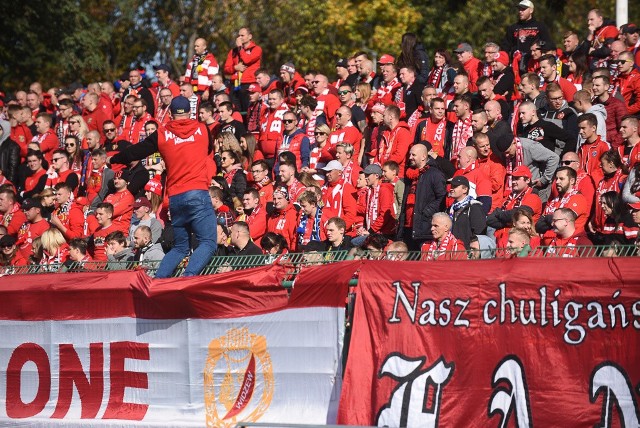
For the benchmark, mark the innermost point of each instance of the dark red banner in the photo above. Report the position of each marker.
(512, 343)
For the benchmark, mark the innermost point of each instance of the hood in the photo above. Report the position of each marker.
(403, 124)
(296, 132)
(598, 109)
(182, 128)
(6, 130)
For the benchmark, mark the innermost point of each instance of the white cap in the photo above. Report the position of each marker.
(526, 4)
(334, 164)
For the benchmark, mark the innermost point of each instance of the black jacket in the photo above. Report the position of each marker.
(430, 196)
(9, 154)
(470, 220)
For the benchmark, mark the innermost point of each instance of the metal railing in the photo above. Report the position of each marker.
(294, 262)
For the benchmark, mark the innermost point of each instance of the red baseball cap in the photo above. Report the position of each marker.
(635, 206)
(386, 59)
(522, 171)
(254, 87)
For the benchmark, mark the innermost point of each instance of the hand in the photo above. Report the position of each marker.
(240, 67)
(591, 228)
(55, 221)
(238, 42)
(205, 95)
(537, 184)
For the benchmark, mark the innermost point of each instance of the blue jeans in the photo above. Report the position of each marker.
(190, 211)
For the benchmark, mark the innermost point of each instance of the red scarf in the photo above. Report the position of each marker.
(462, 131)
(435, 76)
(373, 201)
(513, 162)
(228, 176)
(449, 243)
(436, 134)
(514, 201)
(559, 202)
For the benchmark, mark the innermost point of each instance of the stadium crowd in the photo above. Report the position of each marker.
(528, 146)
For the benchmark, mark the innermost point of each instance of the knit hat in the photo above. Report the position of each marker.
(378, 108)
(154, 185)
(503, 58)
(283, 191)
(288, 67)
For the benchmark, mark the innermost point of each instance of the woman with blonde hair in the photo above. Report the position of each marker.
(78, 128)
(55, 248)
(363, 95)
(321, 134)
(47, 199)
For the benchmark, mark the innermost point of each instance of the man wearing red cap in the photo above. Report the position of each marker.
(256, 109)
(472, 65)
(201, 69)
(387, 93)
(283, 220)
(503, 77)
(521, 196)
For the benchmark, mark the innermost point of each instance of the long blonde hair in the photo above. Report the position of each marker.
(84, 129)
(52, 239)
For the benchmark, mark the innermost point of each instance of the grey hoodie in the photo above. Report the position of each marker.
(542, 163)
(600, 112)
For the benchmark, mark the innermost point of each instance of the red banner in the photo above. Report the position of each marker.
(512, 343)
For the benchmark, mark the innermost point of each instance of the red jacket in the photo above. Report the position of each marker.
(137, 132)
(630, 90)
(122, 202)
(249, 56)
(590, 158)
(584, 184)
(379, 216)
(257, 222)
(285, 223)
(48, 143)
(473, 69)
(96, 118)
(341, 198)
(26, 235)
(294, 144)
(495, 170)
(349, 134)
(271, 130)
(616, 110)
(329, 104)
(395, 145)
(13, 220)
(73, 220)
(576, 203)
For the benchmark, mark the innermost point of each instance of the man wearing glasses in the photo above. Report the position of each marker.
(347, 98)
(141, 115)
(65, 111)
(59, 171)
(559, 112)
(565, 238)
(295, 141)
(629, 82)
(164, 101)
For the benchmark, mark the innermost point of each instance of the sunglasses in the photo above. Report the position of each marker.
(339, 114)
(288, 120)
(343, 92)
(73, 122)
(319, 133)
(109, 130)
(568, 162)
(315, 82)
(69, 145)
(56, 159)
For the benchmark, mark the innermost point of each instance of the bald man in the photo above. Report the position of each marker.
(328, 102)
(202, 67)
(423, 197)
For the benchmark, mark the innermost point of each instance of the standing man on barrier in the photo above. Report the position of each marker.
(183, 146)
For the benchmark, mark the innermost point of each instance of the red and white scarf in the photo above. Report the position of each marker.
(385, 90)
(559, 202)
(228, 176)
(513, 162)
(347, 171)
(462, 131)
(448, 243)
(373, 198)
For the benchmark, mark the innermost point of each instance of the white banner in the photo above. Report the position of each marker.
(280, 367)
